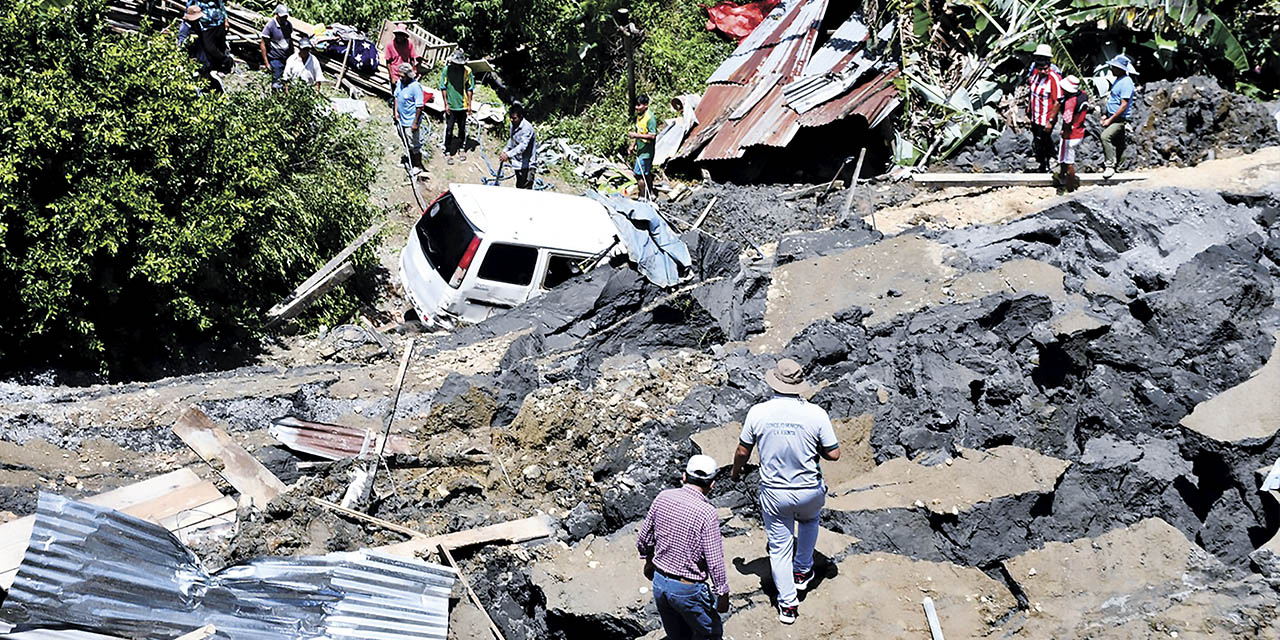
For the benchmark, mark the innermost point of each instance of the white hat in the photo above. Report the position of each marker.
(282, 10)
(701, 467)
(1043, 51)
(1070, 84)
(787, 377)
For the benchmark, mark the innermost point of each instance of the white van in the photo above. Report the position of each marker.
(479, 249)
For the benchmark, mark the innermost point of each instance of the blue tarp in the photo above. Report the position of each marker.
(659, 254)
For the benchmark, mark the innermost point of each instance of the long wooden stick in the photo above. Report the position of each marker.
(345, 56)
(697, 223)
(391, 413)
(444, 553)
(385, 524)
(853, 186)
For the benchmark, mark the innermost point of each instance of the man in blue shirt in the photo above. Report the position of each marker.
(409, 104)
(521, 148)
(1118, 112)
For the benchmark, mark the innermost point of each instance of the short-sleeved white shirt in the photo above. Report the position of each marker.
(789, 434)
(308, 71)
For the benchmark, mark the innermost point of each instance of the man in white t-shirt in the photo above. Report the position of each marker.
(304, 65)
(792, 435)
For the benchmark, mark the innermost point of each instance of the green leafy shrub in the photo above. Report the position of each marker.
(144, 225)
(366, 15)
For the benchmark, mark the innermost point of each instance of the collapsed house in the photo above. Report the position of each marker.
(784, 79)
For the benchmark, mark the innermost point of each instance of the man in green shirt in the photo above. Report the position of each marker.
(458, 85)
(642, 143)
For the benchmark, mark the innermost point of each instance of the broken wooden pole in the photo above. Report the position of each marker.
(853, 186)
(385, 524)
(372, 469)
(294, 306)
(493, 627)
(939, 180)
(931, 615)
(199, 634)
(804, 192)
(253, 480)
(698, 223)
(513, 532)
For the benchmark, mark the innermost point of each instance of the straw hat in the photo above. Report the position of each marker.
(787, 377)
(194, 12)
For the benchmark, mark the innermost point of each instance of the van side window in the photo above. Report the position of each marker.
(509, 263)
(559, 269)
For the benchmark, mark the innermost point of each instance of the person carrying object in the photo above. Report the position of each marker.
(682, 547)
(1075, 107)
(1119, 110)
(521, 148)
(458, 85)
(304, 65)
(791, 435)
(409, 105)
(642, 144)
(1044, 81)
(276, 43)
(400, 51)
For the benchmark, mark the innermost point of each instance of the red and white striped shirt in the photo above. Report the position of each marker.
(1045, 92)
(682, 535)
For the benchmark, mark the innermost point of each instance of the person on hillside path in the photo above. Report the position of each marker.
(1075, 107)
(304, 65)
(642, 144)
(1045, 83)
(521, 147)
(400, 51)
(191, 36)
(681, 545)
(458, 85)
(276, 44)
(792, 435)
(409, 104)
(1119, 111)
(213, 37)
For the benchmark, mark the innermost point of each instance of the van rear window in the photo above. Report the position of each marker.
(444, 234)
(509, 263)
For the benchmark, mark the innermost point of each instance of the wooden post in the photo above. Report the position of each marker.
(493, 627)
(853, 186)
(391, 414)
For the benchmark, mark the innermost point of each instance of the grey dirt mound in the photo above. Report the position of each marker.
(1176, 122)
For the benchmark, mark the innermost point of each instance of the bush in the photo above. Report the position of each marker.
(144, 225)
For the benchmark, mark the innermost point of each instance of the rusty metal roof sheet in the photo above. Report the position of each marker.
(91, 567)
(332, 441)
(754, 46)
(874, 100)
(771, 123)
(842, 44)
(813, 90)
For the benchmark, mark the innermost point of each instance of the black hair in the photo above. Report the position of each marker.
(516, 107)
(698, 482)
(642, 99)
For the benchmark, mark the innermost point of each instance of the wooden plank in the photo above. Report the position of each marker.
(1014, 179)
(512, 532)
(493, 627)
(199, 634)
(811, 189)
(294, 306)
(199, 515)
(336, 260)
(935, 627)
(703, 216)
(242, 470)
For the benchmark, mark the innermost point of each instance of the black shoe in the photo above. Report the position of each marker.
(802, 579)
(788, 615)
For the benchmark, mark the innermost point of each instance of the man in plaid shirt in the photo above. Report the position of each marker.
(681, 544)
(1045, 82)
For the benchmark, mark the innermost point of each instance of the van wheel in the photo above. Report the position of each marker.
(411, 315)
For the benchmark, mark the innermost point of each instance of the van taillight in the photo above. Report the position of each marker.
(461, 271)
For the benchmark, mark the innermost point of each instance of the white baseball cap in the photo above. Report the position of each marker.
(701, 467)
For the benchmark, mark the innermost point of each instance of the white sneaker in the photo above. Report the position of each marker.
(788, 615)
(1108, 172)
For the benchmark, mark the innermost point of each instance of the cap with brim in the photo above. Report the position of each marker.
(457, 58)
(1071, 84)
(405, 68)
(701, 467)
(282, 10)
(787, 377)
(1043, 51)
(305, 43)
(194, 12)
(400, 30)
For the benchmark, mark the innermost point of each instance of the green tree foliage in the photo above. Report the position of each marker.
(144, 224)
(365, 15)
(567, 60)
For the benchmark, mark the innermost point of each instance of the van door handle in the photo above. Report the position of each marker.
(490, 303)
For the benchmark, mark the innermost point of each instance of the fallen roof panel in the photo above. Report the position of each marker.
(94, 568)
(874, 100)
(843, 42)
(750, 46)
(332, 441)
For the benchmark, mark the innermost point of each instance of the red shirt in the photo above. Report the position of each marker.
(1045, 93)
(397, 54)
(682, 535)
(1074, 108)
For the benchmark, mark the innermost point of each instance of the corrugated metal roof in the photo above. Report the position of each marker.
(874, 100)
(753, 43)
(842, 44)
(771, 123)
(809, 92)
(332, 441)
(94, 568)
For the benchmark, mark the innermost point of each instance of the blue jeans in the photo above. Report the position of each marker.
(277, 68)
(791, 547)
(688, 611)
(643, 166)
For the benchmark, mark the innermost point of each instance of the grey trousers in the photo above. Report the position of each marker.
(791, 546)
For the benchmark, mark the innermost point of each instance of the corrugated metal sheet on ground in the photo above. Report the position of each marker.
(874, 100)
(94, 568)
(332, 441)
(713, 111)
(848, 37)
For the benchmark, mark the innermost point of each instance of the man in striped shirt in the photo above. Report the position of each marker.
(1045, 83)
(681, 544)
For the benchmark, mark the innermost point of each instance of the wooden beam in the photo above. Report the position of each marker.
(385, 524)
(242, 470)
(931, 616)
(938, 180)
(199, 634)
(513, 532)
(493, 627)
(294, 306)
(698, 223)
(336, 260)
(811, 190)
